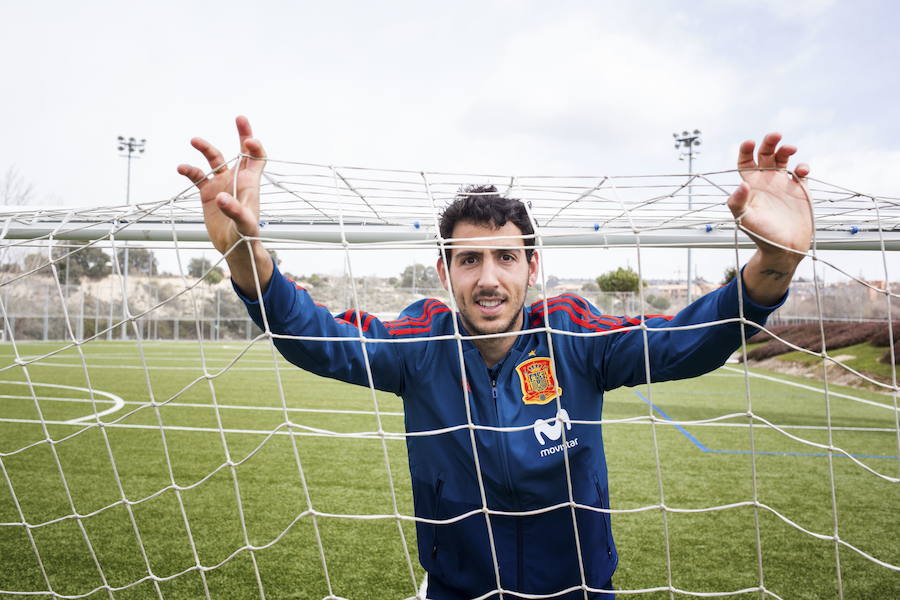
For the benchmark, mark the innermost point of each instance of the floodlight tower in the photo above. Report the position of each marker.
(686, 143)
(130, 146)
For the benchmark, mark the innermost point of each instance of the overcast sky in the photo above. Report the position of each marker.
(499, 86)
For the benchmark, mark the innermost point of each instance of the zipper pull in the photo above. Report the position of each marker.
(494, 388)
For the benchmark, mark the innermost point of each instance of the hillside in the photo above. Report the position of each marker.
(862, 346)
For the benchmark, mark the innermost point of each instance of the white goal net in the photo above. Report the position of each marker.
(154, 444)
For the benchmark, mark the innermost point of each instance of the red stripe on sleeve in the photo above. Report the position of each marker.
(585, 315)
(421, 323)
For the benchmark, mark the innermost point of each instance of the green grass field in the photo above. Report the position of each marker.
(214, 455)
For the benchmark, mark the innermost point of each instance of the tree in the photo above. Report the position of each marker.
(425, 277)
(620, 280)
(14, 189)
(729, 274)
(92, 262)
(35, 260)
(82, 261)
(140, 260)
(552, 281)
(200, 265)
(658, 302)
(316, 280)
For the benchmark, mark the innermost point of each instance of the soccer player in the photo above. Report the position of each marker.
(550, 465)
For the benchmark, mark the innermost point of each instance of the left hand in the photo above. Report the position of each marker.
(773, 204)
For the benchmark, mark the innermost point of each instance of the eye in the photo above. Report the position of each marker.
(507, 257)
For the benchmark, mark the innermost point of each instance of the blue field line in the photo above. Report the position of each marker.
(705, 448)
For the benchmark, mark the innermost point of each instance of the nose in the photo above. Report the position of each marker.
(488, 277)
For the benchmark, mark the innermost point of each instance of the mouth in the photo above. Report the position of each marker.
(489, 306)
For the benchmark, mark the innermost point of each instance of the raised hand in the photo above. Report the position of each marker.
(770, 202)
(773, 206)
(229, 219)
(226, 217)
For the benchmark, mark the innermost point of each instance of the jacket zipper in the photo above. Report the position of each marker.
(437, 515)
(504, 450)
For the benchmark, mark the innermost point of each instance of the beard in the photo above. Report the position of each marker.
(509, 293)
(509, 326)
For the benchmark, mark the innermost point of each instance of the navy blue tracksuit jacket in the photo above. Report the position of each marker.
(545, 394)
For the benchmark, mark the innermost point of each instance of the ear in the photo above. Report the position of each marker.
(533, 268)
(442, 273)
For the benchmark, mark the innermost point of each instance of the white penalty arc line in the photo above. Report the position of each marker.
(118, 402)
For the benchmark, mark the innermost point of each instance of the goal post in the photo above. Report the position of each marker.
(154, 444)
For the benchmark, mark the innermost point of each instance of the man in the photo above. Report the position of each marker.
(509, 407)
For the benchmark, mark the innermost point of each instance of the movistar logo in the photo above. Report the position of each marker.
(552, 429)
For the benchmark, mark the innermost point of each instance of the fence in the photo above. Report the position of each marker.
(164, 308)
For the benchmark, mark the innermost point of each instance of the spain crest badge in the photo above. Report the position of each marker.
(538, 382)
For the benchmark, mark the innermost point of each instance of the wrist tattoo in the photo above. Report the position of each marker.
(776, 275)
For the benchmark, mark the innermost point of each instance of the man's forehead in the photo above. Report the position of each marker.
(464, 248)
(507, 237)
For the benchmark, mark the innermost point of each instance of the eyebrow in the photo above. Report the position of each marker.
(463, 253)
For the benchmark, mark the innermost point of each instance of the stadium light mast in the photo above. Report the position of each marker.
(686, 143)
(130, 146)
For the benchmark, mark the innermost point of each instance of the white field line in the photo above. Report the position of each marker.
(141, 367)
(396, 414)
(201, 405)
(168, 356)
(813, 389)
(269, 432)
(117, 401)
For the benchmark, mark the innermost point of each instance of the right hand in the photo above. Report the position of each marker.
(228, 219)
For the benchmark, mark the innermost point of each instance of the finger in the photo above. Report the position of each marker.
(244, 130)
(737, 202)
(802, 171)
(243, 218)
(195, 174)
(745, 155)
(256, 160)
(210, 153)
(783, 154)
(766, 155)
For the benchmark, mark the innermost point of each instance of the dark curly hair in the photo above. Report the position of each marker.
(483, 205)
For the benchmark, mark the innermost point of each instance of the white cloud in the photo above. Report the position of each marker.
(587, 87)
(576, 71)
(864, 170)
(584, 82)
(795, 9)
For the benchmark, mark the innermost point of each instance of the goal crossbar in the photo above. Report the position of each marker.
(717, 237)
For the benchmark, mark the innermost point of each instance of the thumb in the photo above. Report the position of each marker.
(737, 202)
(244, 219)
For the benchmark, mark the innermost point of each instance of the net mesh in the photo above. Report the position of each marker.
(152, 449)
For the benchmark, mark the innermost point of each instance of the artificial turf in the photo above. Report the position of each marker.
(224, 467)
